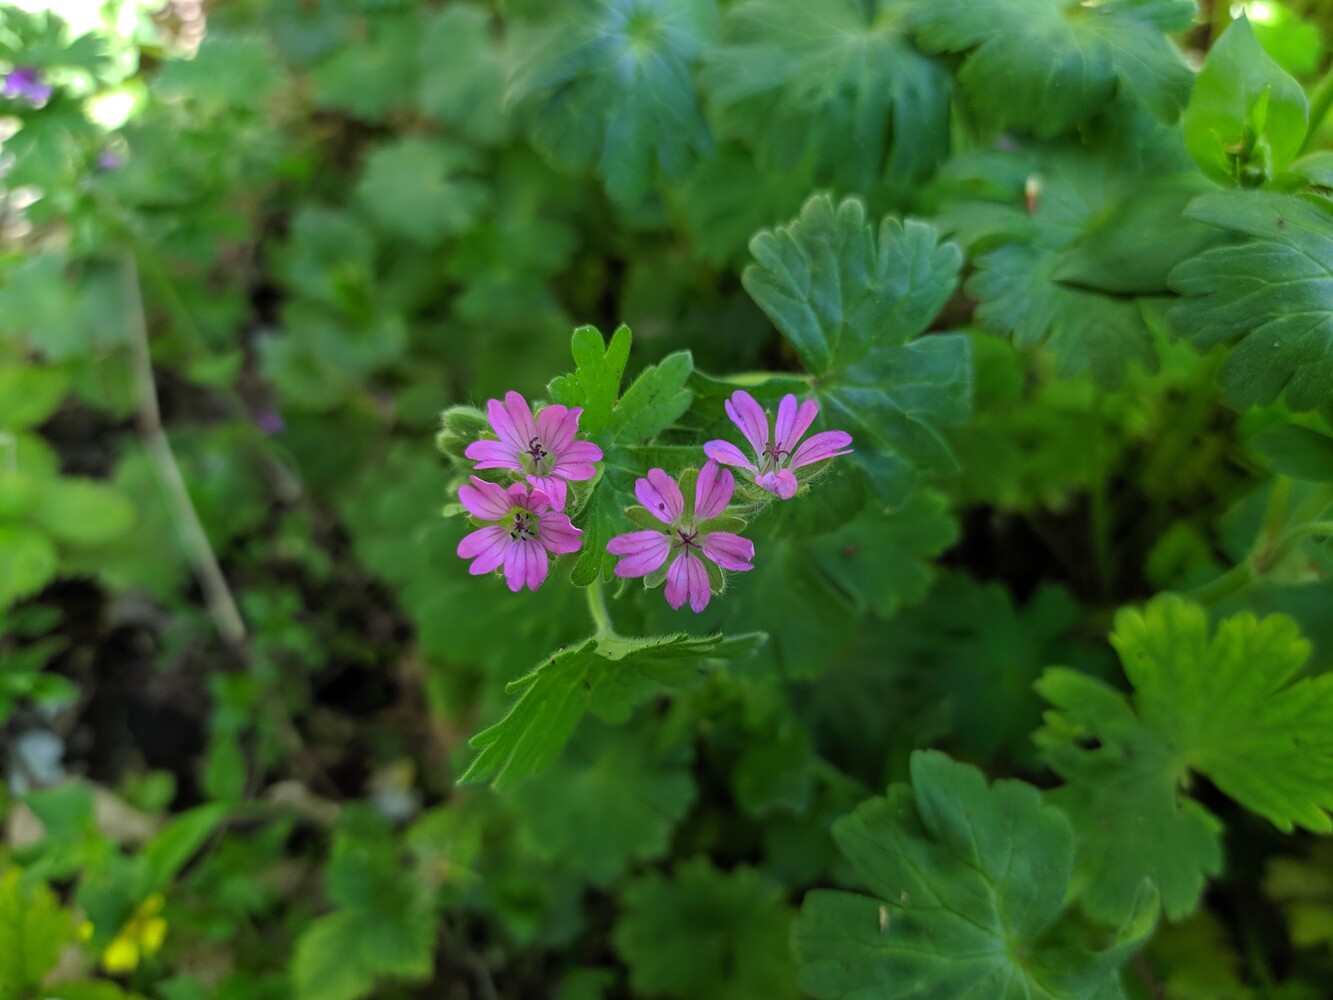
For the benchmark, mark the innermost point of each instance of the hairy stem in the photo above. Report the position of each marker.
(601, 616)
(217, 595)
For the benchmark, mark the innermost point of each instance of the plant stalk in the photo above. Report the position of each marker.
(217, 594)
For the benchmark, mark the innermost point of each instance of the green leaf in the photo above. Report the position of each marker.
(1271, 294)
(611, 83)
(612, 799)
(1246, 118)
(1227, 706)
(462, 78)
(1088, 53)
(607, 675)
(385, 927)
(370, 76)
(966, 879)
(652, 403)
(84, 512)
(27, 562)
(1299, 452)
(29, 394)
(706, 933)
(172, 847)
(413, 189)
(33, 932)
(836, 84)
(1131, 817)
(595, 383)
(850, 301)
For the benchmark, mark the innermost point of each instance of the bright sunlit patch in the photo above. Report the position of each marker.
(113, 108)
(1257, 11)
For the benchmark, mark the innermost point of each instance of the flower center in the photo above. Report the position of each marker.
(536, 458)
(523, 526)
(685, 538)
(773, 457)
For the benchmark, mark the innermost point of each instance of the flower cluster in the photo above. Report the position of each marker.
(525, 524)
(688, 532)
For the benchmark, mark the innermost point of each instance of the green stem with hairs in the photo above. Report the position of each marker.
(601, 616)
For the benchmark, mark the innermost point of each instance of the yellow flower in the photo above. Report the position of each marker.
(141, 936)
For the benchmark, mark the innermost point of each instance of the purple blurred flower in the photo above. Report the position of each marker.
(109, 159)
(777, 457)
(270, 422)
(24, 83)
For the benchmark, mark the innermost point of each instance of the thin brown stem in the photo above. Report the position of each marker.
(217, 594)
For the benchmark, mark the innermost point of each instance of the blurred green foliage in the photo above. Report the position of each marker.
(1065, 272)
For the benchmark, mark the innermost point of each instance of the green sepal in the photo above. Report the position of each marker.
(686, 481)
(723, 522)
(717, 581)
(459, 427)
(643, 518)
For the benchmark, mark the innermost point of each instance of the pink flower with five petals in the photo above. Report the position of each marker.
(685, 538)
(527, 528)
(543, 450)
(777, 457)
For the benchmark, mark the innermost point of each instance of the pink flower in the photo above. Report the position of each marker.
(527, 528)
(776, 459)
(685, 536)
(544, 450)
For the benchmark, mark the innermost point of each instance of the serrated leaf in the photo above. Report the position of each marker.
(612, 799)
(368, 77)
(462, 77)
(850, 301)
(1271, 294)
(607, 675)
(33, 932)
(1245, 114)
(706, 933)
(1088, 52)
(1132, 819)
(965, 880)
(418, 188)
(610, 83)
(1226, 706)
(595, 382)
(837, 83)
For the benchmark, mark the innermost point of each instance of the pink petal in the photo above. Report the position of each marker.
(557, 533)
(712, 491)
(750, 417)
(553, 487)
(688, 579)
(825, 444)
(485, 501)
(502, 422)
(728, 454)
(575, 460)
(793, 421)
(729, 551)
(493, 455)
(660, 494)
(486, 547)
(525, 564)
(557, 425)
(783, 483)
(644, 551)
